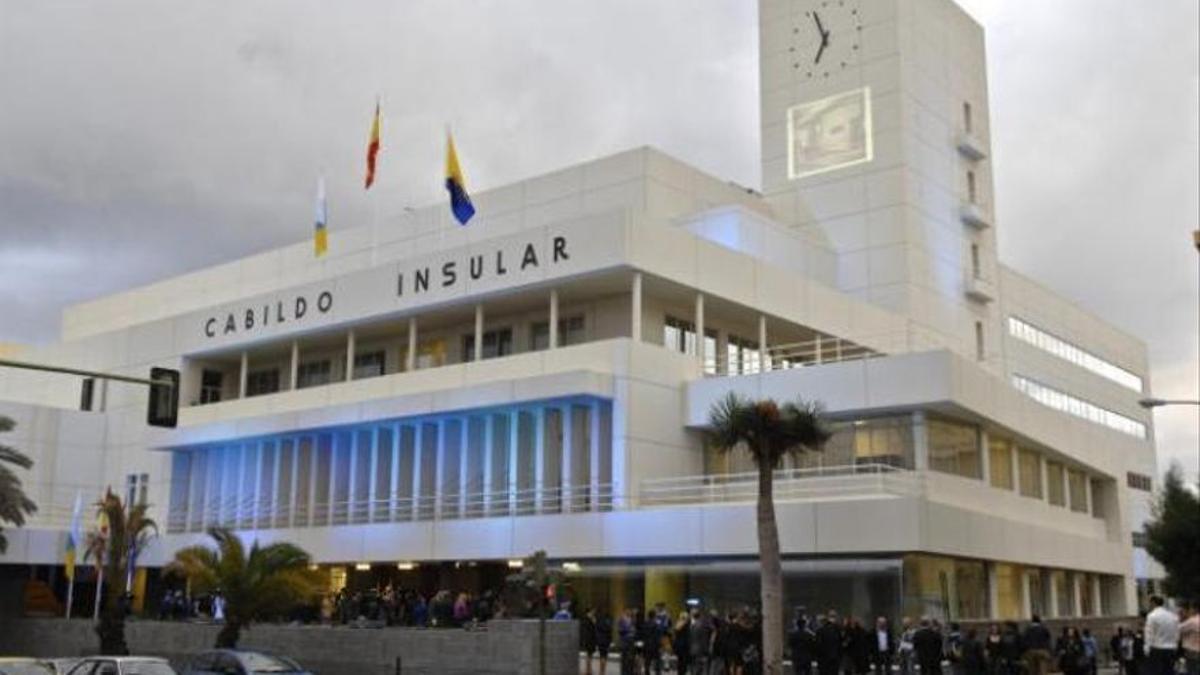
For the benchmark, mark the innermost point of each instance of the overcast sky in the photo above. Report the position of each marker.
(142, 139)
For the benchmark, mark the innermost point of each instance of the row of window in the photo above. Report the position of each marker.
(1067, 403)
(547, 458)
(1139, 481)
(317, 372)
(742, 355)
(1065, 350)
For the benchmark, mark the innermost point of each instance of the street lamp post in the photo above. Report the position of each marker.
(1149, 403)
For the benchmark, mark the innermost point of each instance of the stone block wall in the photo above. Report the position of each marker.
(503, 648)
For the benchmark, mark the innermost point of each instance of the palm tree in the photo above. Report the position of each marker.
(14, 505)
(129, 530)
(769, 432)
(265, 583)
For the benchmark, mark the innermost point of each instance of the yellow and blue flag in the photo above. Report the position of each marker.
(460, 201)
(73, 537)
(320, 237)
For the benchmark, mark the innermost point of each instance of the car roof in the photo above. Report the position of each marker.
(126, 659)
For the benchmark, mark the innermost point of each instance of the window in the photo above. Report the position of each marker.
(679, 335)
(1039, 338)
(1139, 481)
(432, 353)
(495, 343)
(1078, 407)
(570, 332)
(976, 270)
(136, 485)
(259, 382)
(743, 356)
(1077, 490)
(980, 351)
(1000, 463)
(369, 364)
(972, 192)
(211, 382)
(85, 395)
(966, 117)
(1029, 469)
(1055, 494)
(953, 448)
(313, 373)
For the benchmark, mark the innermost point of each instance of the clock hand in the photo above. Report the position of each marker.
(824, 42)
(820, 28)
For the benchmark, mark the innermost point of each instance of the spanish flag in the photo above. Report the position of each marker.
(320, 240)
(372, 148)
(460, 201)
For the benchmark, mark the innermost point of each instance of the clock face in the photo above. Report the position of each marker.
(829, 134)
(826, 37)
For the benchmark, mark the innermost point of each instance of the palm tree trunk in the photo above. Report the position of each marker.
(772, 574)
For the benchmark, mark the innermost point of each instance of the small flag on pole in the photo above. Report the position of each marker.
(320, 238)
(373, 148)
(460, 201)
(73, 536)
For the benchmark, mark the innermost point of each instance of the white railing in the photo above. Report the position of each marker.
(823, 350)
(241, 513)
(789, 485)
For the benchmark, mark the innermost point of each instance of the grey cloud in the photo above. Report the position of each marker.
(150, 138)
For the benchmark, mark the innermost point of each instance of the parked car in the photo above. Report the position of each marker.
(62, 666)
(241, 662)
(122, 665)
(20, 666)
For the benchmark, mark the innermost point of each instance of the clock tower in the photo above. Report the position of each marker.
(875, 140)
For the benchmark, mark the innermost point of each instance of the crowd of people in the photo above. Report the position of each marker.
(701, 641)
(710, 643)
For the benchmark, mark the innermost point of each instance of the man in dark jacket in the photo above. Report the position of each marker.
(883, 646)
(803, 643)
(829, 645)
(1035, 642)
(927, 645)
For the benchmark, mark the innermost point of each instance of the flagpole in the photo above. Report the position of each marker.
(99, 585)
(70, 594)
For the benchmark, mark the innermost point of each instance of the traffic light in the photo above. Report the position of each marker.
(163, 408)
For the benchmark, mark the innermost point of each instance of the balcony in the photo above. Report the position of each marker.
(978, 288)
(971, 146)
(819, 483)
(974, 215)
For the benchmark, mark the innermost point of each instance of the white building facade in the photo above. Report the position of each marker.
(433, 397)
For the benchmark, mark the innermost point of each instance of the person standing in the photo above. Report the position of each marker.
(993, 647)
(700, 641)
(803, 642)
(971, 658)
(1035, 643)
(603, 639)
(627, 642)
(1189, 640)
(829, 645)
(905, 649)
(1162, 638)
(587, 637)
(883, 647)
(927, 647)
(681, 637)
(1091, 651)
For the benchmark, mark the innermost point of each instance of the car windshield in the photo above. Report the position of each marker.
(25, 669)
(265, 663)
(146, 668)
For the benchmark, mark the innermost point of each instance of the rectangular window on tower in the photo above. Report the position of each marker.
(972, 190)
(967, 117)
(980, 348)
(136, 485)
(976, 269)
